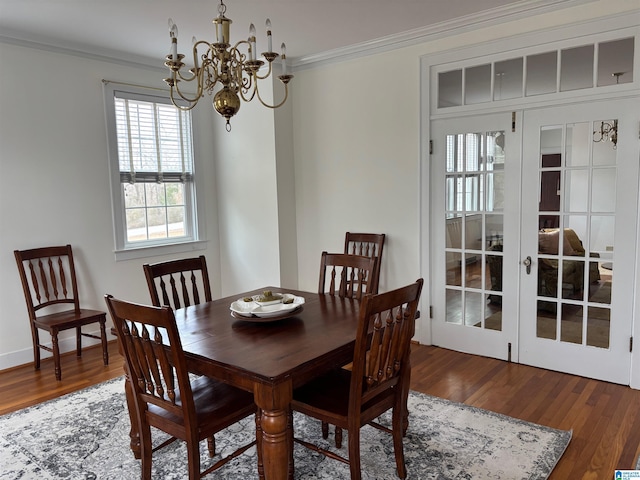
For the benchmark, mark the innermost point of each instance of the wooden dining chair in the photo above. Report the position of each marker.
(178, 283)
(347, 275)
(48, 278)
(379, 376)
(164, 395)
(369, 245)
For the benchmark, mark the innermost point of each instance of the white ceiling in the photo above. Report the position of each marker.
(308, 27)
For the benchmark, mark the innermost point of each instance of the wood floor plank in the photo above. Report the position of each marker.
(604, 417)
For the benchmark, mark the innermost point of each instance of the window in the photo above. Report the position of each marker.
(152, 170)
(536, 73)
(474, 165)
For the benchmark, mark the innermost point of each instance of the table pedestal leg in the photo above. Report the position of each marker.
(273, 401)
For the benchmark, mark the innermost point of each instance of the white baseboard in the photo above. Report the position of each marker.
(67, 344)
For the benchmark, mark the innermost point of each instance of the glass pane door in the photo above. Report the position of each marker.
(578, 225)
(473, 219)
(476, 167)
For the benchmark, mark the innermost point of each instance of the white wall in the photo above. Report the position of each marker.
(54, 181)
(246, 185)
(356, 150)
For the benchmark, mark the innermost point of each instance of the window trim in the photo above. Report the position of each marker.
(122, 249)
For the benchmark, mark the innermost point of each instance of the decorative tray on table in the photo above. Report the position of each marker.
(268, 307)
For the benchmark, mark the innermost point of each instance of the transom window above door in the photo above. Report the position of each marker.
(593, 65)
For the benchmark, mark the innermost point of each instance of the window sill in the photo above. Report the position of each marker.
(157, 250)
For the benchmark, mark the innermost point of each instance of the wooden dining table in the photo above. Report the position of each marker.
(269, 358)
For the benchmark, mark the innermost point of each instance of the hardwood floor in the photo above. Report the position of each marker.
(605, 418)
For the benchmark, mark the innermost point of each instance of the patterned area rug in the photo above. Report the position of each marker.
(84, 435)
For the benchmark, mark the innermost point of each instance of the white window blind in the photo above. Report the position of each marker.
(154, 141)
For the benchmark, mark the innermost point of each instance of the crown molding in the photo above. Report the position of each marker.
(457, 26)
(12, 37)
(488, 18)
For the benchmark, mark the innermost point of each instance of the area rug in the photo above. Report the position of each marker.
(84, 435)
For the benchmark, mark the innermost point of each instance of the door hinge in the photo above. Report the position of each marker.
(430, 311)
(430, 147)
(513, 121)
(631, 344)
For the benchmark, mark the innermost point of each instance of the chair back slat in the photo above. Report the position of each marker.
(383, 339)
(153, 355)
(368, 245)
(52, 279)
(48, 277)
(179, 283)
(354, 274)
(174, 292)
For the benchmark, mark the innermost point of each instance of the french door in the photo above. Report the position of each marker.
(475, 234)
(579, 224)
(528, 228)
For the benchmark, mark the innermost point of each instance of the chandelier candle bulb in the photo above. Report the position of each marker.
(269, 46)
(195, 53)
(174, 49)
(173, 33)
(284, 58)
(252, 42)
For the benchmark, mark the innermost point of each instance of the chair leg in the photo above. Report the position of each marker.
(36, 347)
(290, 442)
(146, 450)
(211, 446)
(79, 341)
(193, 457)
(338, 437)
(354, 454)
(397, 429)
(325, 430)
(56, 355)
(105, 346)
(259, 443)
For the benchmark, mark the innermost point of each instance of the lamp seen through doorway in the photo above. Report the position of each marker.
(608, 130)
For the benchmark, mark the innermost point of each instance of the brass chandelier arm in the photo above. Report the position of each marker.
(247, 88)
(265, 75)
(192, 100)
(286, 94)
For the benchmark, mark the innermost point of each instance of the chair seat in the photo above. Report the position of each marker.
(217, 405)
(330, 394)
(69, 319)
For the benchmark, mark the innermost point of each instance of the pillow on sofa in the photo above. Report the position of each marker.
(576, 245)
(548, 241)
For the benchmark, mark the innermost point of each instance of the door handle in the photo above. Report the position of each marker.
(527, 263)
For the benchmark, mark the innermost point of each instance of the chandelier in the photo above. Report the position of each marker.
(219, 64)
